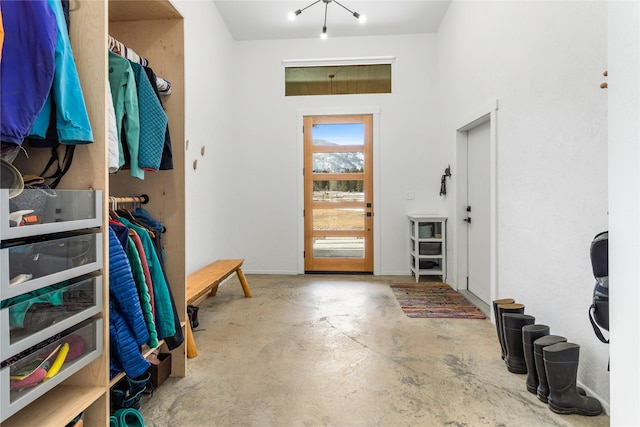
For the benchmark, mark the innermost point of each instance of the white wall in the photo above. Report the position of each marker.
(208, 55)
(624, 205)
(544, 62)
(262, 167)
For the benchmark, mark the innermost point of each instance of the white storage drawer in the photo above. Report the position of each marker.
(32, 318)
(50, 211)
(85, 345)
(28, 266)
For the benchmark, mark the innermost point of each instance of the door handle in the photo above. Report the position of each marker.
(467, 220)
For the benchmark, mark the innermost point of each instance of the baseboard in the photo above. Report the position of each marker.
(482, 306)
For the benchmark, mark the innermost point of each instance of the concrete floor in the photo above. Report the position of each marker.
(325, 350)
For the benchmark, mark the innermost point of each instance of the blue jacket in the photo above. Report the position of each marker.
(127, 328)
(125, 353)
(27, 67)
(123, 291)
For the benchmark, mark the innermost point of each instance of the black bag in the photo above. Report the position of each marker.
(599, 309)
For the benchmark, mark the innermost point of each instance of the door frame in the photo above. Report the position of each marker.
(486, 113)
(339, 111)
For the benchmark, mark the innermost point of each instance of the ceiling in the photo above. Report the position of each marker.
(268, 20)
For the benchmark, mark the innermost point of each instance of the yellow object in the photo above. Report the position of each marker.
(192, 351)
(57, 364)
(32, 370)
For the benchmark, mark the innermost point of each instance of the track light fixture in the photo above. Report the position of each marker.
(323, 35)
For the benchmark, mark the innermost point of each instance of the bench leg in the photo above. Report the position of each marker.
(192, 351)
(244, 283)
(214, 291)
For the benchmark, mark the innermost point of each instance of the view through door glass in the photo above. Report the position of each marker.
(338, 193)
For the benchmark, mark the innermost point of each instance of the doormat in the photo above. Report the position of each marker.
(420, 300)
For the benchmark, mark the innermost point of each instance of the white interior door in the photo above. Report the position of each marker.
(478, 211)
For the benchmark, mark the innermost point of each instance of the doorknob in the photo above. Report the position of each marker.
(467, 220)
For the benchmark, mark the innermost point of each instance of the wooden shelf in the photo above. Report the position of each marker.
(46, 411)
(128, 11)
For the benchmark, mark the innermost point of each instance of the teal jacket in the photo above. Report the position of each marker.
(143, 291)
(125, 103)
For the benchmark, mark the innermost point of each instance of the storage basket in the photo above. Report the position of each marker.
(427, 265)
(430, 248)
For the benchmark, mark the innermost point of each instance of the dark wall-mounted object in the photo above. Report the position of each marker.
(443, 181)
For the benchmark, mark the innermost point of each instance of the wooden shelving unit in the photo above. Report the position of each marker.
(155, 30)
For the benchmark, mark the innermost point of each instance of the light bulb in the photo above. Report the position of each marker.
(292, 15)
(362, 19)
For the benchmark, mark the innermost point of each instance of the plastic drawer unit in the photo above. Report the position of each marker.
(30, 264)
(36, 212)
(33, 317)
(42, 368)
(51, 291)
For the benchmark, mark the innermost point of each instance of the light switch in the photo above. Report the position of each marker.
(410, 195)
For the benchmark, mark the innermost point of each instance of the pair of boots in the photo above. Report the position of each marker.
(510, 319)
(554, 362)
(127, 392)
(551, 364)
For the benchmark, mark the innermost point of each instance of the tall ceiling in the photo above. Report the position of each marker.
(268, 20)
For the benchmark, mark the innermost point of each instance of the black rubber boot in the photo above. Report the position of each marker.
(538, 345)
(530, 333)
(561, 365)
(506, 308)
(119, 394)
(512, 324)
(136, 387)
(496, 317)
(192, 313)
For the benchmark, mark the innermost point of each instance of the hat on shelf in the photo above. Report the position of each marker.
(11, 178)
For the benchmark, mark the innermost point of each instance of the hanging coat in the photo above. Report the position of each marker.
(27, 66)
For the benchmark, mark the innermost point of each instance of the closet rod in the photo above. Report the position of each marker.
(143, 199)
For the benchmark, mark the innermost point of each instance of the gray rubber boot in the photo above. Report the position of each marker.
(538, 345)
(561, 365)
(530, 333)
(496, 317)
(506, 308)
(512, 324)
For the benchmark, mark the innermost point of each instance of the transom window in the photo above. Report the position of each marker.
(339, 79)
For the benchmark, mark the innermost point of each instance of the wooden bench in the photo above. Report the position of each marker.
(204, 282)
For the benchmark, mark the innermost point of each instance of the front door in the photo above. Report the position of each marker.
(338, 194)
(478, 211)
